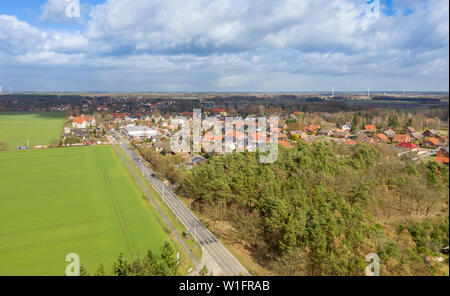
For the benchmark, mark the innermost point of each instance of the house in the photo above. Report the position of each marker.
(442, 139)
(237, 135)
(416, 136)
(431, 142)
(347, 126)
(350, 142)
(195, 159)
(312, 128)
(409, 130)
(429, 133)
(325, 132)
(341, 134)
(211, 137)
(443, 156)
(401, 138)
(221, 112)
(443, 152)
(370, 128)
(443, 160)
(390, 133)
(381, 138)
(83, 121)
(407, 145)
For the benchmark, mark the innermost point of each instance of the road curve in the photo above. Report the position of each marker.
(225, 263)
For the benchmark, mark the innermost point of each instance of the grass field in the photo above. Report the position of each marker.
(70, 200)
(37, 128)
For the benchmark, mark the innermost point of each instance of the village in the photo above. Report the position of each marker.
(155, 130)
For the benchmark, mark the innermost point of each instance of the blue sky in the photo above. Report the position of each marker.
(226, 45)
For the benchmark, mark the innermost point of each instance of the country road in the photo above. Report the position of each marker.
(216, 257)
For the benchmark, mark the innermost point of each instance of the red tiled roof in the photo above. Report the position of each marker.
(370, 128)
(407, 145)
(382, 137)
(434, 141)
(237, 135)
(441, 159)
(350, 142)
(211, 137)
(313, 127)
(401, 138)
(79, 119)
(257, 136)
(121, 115)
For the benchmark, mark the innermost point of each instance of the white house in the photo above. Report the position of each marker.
(347, 126)
(83, 121)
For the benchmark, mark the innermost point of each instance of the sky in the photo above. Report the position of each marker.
(224, 45)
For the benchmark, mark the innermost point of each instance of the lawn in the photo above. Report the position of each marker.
(71, 200)
(35, 128)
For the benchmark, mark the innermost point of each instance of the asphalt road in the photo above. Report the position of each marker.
(225, 262)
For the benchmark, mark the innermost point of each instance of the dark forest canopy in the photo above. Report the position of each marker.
(321, 208)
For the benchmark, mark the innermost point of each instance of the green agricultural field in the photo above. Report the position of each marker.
(35, 128)
(71, 200)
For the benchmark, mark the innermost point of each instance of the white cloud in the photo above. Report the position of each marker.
(17, 37)
(56, 11)
(238, 44)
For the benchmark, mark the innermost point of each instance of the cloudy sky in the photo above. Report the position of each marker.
(224, 45)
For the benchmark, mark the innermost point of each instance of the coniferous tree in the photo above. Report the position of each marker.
(121, 267)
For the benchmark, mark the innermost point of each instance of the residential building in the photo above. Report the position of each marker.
(139, 131)
(401, 138)
(407, 145)
(431, 142)
(416, 136)
(381, 138)
(409, 130)
(83, 121)
(390, 133)
(429, 133)
(370, 128)
(325, 132)
(347, 126)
